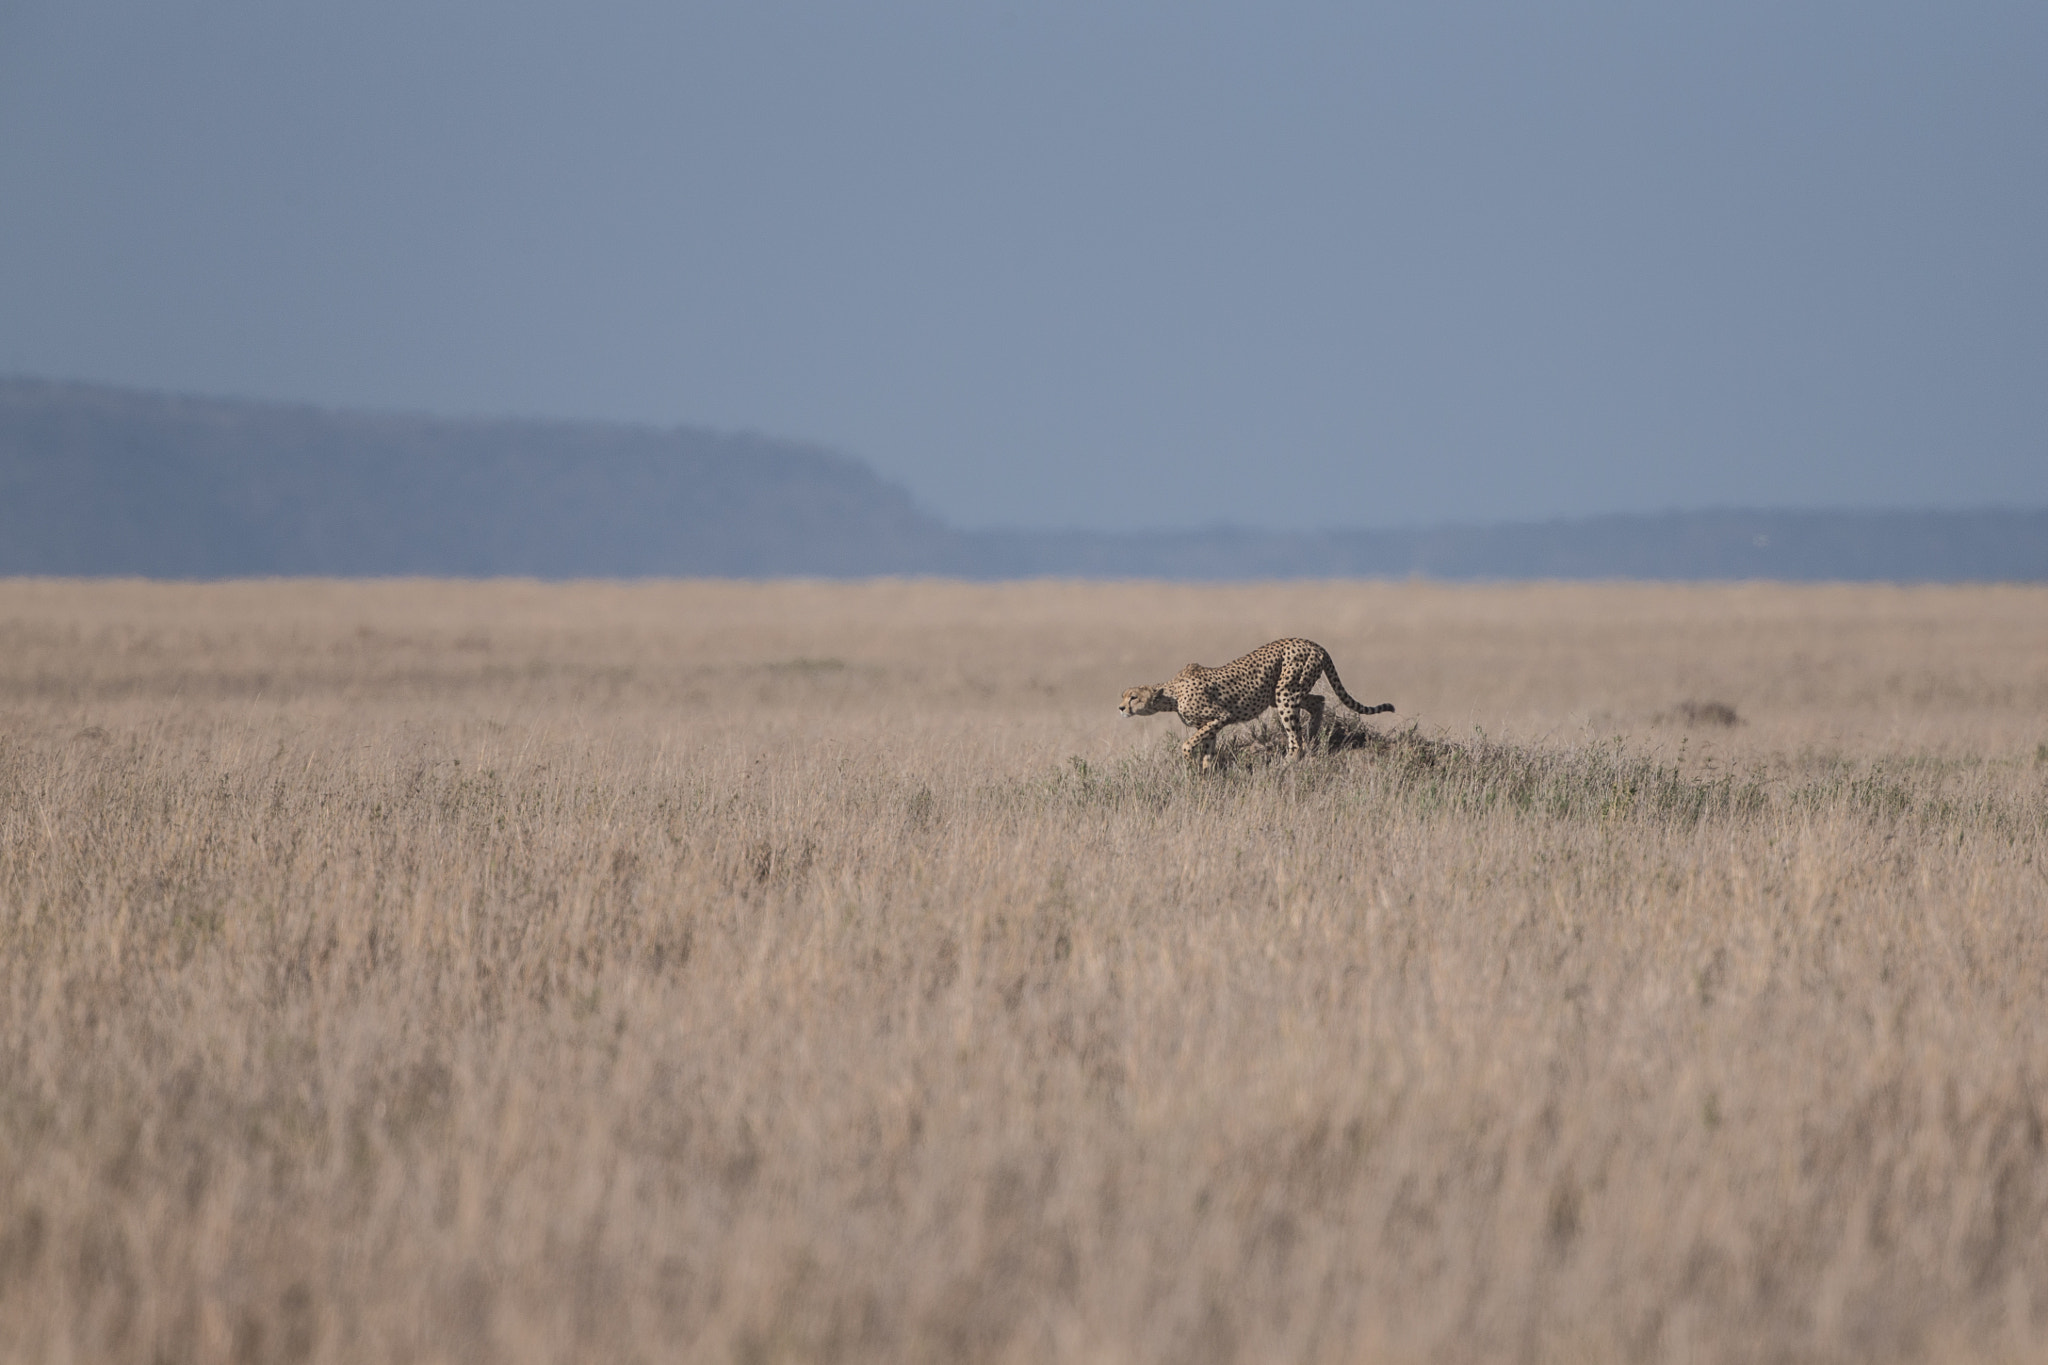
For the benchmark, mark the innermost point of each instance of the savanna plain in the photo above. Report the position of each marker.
(413, 971)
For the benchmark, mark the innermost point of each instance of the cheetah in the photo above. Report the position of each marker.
(1279, 675)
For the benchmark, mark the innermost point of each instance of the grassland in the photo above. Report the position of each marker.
(415, 971)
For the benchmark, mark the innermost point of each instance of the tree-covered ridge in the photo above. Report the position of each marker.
(99, 481)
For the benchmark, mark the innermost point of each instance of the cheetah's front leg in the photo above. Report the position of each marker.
(1203, 741)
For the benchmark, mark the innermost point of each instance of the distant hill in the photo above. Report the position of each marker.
(98, 481)
(1989, 546)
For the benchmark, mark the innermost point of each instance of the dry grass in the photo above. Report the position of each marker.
(501, 972)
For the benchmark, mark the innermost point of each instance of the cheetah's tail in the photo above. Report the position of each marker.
(1337, 686)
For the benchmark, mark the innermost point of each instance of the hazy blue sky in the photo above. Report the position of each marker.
(1082, 264)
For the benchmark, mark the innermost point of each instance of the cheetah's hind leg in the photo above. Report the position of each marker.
(1313, 704)
(1294, 713)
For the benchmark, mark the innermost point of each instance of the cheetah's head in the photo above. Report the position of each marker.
(1146, 701)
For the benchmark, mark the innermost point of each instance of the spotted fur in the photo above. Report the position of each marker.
(1278, 676)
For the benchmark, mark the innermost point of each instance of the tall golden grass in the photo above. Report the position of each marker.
(421, 971)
